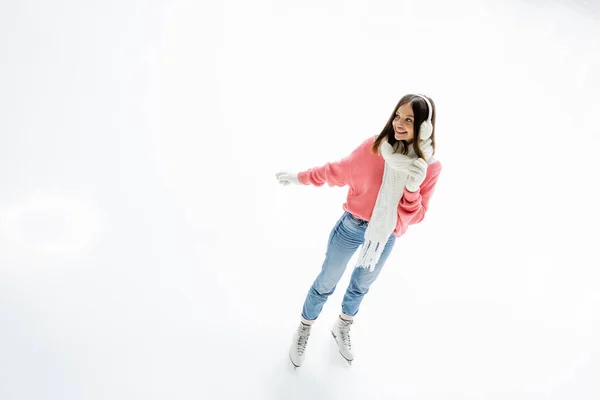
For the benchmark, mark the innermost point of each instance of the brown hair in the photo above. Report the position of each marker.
(421, 112)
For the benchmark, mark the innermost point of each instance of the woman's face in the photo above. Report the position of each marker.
(403, 123)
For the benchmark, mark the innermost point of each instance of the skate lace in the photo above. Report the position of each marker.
(303, 335)
(345, 334)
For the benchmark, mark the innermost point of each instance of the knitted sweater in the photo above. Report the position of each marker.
(362, 171)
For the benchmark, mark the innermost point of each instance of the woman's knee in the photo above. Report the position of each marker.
(324, 287)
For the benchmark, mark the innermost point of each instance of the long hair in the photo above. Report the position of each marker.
(421, 113)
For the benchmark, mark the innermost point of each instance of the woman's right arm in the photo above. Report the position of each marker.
(335, 173)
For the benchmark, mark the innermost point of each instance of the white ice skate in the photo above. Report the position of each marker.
(298, 347)
(341, 334)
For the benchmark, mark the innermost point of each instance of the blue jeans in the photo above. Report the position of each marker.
(345, 238)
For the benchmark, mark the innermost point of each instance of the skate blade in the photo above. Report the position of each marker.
(348, 361)
(292, 367)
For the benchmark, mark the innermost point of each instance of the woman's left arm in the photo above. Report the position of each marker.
(413, 205)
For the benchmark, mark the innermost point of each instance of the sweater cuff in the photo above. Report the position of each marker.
(303, 178)
(411, 196)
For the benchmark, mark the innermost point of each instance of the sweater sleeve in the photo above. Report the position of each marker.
(335, 173)
(414, 205)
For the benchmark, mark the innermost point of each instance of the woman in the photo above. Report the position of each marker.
(391, 179)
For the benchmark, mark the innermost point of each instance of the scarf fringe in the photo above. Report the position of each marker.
(370, 254)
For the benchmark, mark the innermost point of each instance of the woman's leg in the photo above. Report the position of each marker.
(345, 238)
(360, 282)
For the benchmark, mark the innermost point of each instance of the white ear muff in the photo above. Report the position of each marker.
(426, 128)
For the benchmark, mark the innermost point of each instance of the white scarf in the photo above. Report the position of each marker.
(385, 213)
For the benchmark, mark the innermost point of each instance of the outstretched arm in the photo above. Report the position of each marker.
(335, 173)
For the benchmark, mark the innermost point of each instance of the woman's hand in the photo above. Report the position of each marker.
(285, 178)
(416, 174)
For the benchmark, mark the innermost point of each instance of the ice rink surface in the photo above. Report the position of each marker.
(147, 251)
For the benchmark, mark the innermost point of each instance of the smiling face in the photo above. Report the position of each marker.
(403, 123)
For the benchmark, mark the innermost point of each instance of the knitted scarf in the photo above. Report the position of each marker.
(385, 213)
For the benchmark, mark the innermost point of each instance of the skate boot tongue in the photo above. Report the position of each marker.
(299, 342)
(303, 334)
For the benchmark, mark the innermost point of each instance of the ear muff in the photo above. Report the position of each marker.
(426, 128)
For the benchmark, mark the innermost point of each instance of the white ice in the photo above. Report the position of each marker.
(147, 251)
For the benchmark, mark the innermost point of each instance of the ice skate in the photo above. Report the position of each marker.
(298, 347)
(341, 334)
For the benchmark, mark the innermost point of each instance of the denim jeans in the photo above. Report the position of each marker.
(345, 238)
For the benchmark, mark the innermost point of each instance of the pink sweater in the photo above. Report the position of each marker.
(362, 171)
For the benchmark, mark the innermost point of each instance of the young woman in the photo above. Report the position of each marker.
(391, 179)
